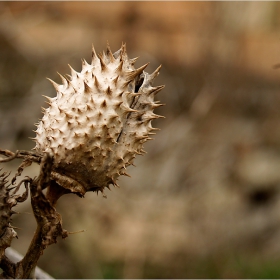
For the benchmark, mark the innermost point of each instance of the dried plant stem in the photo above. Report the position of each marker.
(15, 257)
(34, 156)
(26, 267)
(49, 221)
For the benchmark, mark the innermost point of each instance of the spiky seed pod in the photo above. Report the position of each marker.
(7, 202)
(99, 121)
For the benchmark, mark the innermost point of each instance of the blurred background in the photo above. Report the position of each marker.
(205, 201)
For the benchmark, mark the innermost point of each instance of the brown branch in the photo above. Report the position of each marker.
(28, 158)
(8, 268)
(15, 257)
(8, 154)
(49, 222)
(33, 156)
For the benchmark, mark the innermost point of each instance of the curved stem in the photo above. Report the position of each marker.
(26, 267)
(15, 257)
(33, 156)
(49, 222)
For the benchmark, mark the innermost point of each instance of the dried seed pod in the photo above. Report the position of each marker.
(7, 202)
(98, 122)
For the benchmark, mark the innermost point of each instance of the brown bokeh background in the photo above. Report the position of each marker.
(205, 201)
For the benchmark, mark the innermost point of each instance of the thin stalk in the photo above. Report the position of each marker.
(26, 267)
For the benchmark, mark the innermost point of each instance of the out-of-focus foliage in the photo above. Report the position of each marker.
(204, 202)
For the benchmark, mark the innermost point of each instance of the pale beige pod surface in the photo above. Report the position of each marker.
(99, 121)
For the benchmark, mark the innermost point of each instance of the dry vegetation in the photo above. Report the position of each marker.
(204, 202)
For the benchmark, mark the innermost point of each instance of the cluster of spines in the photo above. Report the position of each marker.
(108, 100)
(7, 202)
